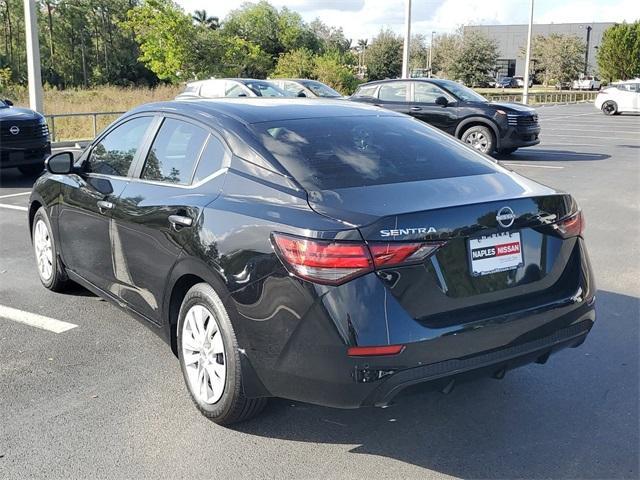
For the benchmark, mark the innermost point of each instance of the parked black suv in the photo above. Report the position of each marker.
(487, 126)
(24, 139)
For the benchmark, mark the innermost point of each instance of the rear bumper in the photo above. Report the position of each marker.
(495, 363)
(299, 351)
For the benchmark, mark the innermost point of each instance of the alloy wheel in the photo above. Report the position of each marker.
(478, 141)
(43, 250)
(203, 354)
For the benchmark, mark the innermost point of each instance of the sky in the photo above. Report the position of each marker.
(365, 18)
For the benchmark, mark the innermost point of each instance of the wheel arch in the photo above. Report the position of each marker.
(482, 121)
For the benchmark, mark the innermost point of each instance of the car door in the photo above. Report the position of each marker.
(158, 210)
(88, 198)
(395, 96)
(636, 97)
(425, 108)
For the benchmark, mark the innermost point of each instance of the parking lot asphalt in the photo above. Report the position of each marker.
(106, 398)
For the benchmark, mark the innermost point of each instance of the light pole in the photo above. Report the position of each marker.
(33, 56)
(586, 52)
(430, 53)
(407, 40)
(527, 61)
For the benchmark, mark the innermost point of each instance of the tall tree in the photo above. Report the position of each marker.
(202, 18)
(558, 58)
(619, 52)
(474, 59)
(384, 56)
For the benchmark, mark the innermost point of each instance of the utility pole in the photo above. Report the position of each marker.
(586, 52)
(431, 53)
(527, 61)
(407, 41)
(33, 56)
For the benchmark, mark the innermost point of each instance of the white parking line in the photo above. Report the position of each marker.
(14, 194)
(14, 207)
(531, 166)
(588, 136)
(35, 320)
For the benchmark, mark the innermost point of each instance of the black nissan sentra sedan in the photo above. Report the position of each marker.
(323, 251)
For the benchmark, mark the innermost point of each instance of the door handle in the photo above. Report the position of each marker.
(104, 205)
(179, 221)
(415, 109)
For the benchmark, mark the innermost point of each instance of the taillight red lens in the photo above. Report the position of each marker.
(571, 226)
(321, 261)
(334, 263)
(389, 254)
(374, 351)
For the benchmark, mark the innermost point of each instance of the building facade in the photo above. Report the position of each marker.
(512, 40)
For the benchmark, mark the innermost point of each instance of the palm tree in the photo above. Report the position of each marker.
(202, 18)
(362, 46)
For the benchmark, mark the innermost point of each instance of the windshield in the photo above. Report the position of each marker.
(463, 93)
(264, 89)
(2, 104)
(320, 89)
(343, 152)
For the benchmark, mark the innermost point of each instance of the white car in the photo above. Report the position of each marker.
(587, 83)
(620, 97)
(230, 87)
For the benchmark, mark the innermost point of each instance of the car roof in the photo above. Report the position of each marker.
(242, 80)
(266, 109)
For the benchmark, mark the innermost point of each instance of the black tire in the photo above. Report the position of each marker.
(31, 170)
(609, 107)
(58, 280)
(507, 151)
(232, 406)
(479, 137)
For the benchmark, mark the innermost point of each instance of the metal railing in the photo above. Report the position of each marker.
(545, 97)
(51, 121)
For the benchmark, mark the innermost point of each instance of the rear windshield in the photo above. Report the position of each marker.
(343, 152)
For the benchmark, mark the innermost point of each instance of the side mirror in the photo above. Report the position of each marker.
(60, 163)
(301, 94)
(8, 102)
(442, 101)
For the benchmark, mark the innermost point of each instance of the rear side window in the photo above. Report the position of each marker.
(210, 160)
(394, 92)
(114, 154)
(174, 152)
(344, 152)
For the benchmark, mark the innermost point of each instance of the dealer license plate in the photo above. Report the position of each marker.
(495, 253)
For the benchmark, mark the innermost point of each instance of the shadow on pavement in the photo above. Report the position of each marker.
(548, 155)
(12, 178)
(575, 417)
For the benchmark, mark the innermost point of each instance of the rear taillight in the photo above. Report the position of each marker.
(336, 262)
(572, 226)
(393, 254)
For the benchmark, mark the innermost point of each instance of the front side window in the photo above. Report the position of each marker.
(292, 88)
(235, 90)
(114, 154)
(427, 93)
(393, 92)
(366, 91)
(321, 90)
(174, 152)
(264, 89)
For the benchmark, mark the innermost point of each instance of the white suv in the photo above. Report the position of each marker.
(620, 97)
(587, 83)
